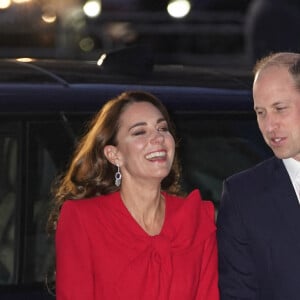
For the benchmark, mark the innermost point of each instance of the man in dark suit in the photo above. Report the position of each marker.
(259, 217)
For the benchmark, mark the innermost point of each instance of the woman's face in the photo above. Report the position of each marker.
(145, 147)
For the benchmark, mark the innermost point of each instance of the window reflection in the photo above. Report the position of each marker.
(8, 167)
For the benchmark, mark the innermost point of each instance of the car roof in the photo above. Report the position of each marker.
(55, 85)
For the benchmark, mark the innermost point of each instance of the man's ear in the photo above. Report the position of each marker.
(110, 153)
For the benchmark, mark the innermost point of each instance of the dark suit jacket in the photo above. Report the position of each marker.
(259, 235)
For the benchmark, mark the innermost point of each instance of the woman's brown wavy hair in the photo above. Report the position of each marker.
(90, 173)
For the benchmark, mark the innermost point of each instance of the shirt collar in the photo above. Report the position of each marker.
(292, 166)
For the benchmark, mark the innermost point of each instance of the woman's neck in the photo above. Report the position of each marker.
(147, 207)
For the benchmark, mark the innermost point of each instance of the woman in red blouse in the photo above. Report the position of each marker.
(122, 230)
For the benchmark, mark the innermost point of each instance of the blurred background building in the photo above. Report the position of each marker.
(197, 32)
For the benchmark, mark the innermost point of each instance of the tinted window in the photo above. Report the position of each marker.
(51, 143)
(9, 162)
(214, 146)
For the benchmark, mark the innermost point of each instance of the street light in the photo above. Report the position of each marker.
(179, 8)
(92, 8)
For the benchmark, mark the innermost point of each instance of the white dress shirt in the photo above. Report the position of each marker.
(293, 168)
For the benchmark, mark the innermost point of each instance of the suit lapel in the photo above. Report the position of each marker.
(286, 200)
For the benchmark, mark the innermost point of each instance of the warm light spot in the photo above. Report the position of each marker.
(101, 59)
(25, 59)
(49, 17)
(179, 8)
(21, 1)
(92, 8)
(5, 4)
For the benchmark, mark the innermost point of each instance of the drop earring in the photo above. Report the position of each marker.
(118, 177)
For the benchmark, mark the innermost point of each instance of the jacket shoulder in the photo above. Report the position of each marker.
(255, 173)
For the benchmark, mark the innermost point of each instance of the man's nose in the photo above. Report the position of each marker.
(271, 123)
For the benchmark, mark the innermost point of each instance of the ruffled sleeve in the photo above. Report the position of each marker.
(195, 232)
(203, 229)
(191, 220)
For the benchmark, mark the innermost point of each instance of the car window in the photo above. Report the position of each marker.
(8, 194)
(215, 146)
(51, 143)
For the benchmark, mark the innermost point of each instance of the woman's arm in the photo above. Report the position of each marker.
(74, 274)
(208, 285)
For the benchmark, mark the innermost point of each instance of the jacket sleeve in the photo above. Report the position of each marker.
(236, 267)
(74, 277)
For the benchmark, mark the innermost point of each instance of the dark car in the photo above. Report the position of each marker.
(44, 109)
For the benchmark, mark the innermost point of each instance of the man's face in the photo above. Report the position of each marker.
(277, 106)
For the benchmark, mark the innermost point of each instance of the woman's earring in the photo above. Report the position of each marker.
(118, 177)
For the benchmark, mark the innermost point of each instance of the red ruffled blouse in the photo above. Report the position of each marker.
(103, 254)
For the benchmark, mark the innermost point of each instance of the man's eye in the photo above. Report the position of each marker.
(280, 108)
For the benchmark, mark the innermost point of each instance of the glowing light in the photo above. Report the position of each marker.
(92, 8)
(21, 1)
(101, 59)
(25, 59)
(87, 44)
(179, 8)
(49, 13)
(5, 4)
(49, 17)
